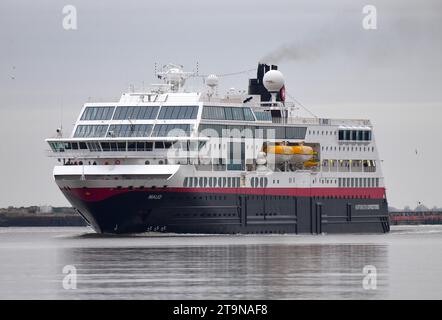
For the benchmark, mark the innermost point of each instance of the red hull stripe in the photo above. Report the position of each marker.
(98, 194)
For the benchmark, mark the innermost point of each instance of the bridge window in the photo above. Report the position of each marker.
(136, 112)
(130, 130)
(265, 116)
(228, 113)
(178, 112)
(90, 131)
(97, 113)
(248, 114)
(164, 130)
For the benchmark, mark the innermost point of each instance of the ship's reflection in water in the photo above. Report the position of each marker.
(226, 271)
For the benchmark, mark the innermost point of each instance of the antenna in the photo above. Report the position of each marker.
(60, 131)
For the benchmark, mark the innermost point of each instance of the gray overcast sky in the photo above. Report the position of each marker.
(392, 75)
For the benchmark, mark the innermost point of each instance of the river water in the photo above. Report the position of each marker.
(404, 264)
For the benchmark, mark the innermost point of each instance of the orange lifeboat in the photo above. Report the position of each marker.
(285, 153)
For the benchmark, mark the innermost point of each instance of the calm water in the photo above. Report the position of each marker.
(408, 262)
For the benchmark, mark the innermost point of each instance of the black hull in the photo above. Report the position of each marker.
(220, 213)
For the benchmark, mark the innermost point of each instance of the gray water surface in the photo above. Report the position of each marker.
(408, 264)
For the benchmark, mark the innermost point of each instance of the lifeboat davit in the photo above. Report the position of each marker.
(294, 154)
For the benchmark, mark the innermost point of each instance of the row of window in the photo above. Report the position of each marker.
(91, 131)
(136, 113)
(354, 135)
(173, 130)
(112, 146)
(98, 113)
(263, 116)
(212, 182)
(322, 132)
(129, 130)
(228, 113)
(358, 182)
(260, 132)
(209, 130)
(178, 112)
(261, 182)
(140, 113)
(348, 163)
(347, 148)
(132, 130)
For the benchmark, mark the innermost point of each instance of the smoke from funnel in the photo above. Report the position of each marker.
(289, 52)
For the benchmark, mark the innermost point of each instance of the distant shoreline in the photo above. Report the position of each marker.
(40, 217)
(42, 221)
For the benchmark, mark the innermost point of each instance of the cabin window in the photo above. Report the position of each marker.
(131, 146)
(140, 146)
(105, 146)
(354, 135)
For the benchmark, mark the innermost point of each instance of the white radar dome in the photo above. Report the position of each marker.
(273, 80)
(212, 80)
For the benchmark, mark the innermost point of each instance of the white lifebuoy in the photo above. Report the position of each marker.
(117, 161)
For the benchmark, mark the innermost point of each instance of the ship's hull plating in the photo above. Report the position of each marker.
(192, 211)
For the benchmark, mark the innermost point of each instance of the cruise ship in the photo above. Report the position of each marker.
(170, 159)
